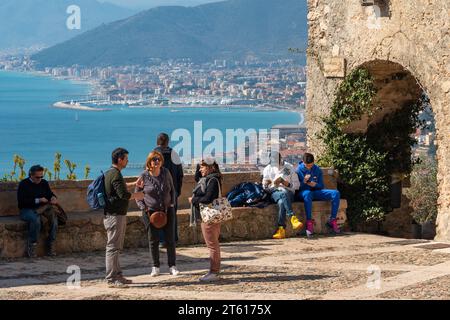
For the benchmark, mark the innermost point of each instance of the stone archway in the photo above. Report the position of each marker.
(413, 40)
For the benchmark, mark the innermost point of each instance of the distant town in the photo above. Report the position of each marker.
(253, 84)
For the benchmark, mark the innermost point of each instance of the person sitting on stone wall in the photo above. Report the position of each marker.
(312, 188)
(34, 195)
(281, 181)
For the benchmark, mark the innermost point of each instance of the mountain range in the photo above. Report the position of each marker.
(233, 29)
(27, 23)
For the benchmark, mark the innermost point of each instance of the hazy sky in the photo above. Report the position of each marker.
(155, 3)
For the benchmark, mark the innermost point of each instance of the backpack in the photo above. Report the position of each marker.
(96, 193)
(246, 194)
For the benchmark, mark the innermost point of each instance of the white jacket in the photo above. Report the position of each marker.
(286, 171)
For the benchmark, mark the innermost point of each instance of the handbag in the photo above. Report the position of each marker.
(218, 211)
(158, 219)
(59, 212)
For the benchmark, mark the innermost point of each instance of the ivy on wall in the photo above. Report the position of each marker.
(366, 162)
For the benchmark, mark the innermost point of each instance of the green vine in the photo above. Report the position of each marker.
(367, 161)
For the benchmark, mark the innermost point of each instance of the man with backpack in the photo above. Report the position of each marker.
(172, 162)
(117, 199)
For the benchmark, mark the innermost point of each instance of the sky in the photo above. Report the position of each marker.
(144, 4)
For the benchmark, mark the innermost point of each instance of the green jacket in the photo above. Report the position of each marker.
(117, 193)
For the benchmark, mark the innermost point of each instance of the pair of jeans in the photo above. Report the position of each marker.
(283, 198)
(115, 230)
(153, 238)
(34, 224)
(211, 233)
(308, 196)
(162, 235)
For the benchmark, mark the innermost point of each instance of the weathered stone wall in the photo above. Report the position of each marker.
(414, 34)
(85, 232)
(72, 194)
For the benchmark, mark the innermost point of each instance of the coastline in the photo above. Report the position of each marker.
(94, 88)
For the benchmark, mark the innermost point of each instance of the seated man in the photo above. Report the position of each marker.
(282, 182)
(312, 188)
(33, 195)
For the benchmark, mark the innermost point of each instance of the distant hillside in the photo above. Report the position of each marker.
(26, 23)
(230, 29)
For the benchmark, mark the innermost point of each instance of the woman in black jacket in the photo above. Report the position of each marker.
(206, 191)
(159, 195)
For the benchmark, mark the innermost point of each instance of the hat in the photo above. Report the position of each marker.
(158, 219)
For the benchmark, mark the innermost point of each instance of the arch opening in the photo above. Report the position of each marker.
(400, 125)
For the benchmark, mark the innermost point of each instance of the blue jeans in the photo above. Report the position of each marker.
(34, 225)
(308, 196)
(284, 200)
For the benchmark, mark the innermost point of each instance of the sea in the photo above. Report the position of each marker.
(35, 130)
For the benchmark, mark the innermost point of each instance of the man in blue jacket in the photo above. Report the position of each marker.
(312, 188)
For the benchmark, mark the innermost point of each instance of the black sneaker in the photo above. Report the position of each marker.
(31, 250)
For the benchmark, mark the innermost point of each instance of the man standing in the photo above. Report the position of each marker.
(33, 196)
(312, 188)
(115, 220)
(281, 181)
(172, 162)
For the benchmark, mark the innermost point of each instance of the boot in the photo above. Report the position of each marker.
(31, 250)
(280, 234)
(332, 224)
(309, 228)
(51, 252)
(296, 224)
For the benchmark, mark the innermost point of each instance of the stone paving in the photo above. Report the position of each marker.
(340, 267)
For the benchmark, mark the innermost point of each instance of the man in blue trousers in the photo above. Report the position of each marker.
(312, 188)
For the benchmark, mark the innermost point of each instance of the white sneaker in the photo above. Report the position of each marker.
(174, 271)
(155, 272)
(209, 277)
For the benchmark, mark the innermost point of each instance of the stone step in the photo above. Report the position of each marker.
(85, 232)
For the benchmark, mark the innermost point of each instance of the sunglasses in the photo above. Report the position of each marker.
(40, 177)
(156, 159)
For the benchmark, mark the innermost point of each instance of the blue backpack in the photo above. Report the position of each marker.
(96, 193)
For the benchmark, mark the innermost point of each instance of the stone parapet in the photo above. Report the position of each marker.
(85, 232)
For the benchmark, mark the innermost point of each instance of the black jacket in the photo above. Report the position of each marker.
(176, 170)
(210, 192)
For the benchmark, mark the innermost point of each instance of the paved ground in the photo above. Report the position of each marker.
(343, 267)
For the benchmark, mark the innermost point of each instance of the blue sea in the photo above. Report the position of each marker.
(32, 128)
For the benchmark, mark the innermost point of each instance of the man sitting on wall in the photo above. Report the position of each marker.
(280, 179)
(312, 188)
(34, 195)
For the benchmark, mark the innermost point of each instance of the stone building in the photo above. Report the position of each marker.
(405, 45)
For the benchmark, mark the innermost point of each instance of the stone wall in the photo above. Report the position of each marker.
(85, 232)
(412, 34)
(72, 194)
